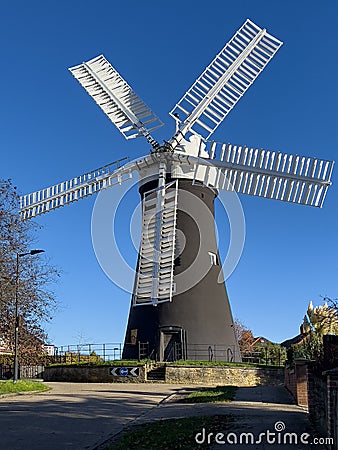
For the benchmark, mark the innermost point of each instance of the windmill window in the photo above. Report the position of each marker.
(213, 259)
(133, 336)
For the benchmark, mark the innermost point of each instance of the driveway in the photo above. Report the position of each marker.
(75, 415)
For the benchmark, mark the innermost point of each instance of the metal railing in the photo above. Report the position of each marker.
(82, 353)
(31, 372)
(213, 352)
(88, 352)
(24, 372)
(6, 371)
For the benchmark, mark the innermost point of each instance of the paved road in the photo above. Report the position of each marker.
(75, 415)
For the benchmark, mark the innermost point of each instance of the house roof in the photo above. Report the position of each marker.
(260, 340)
(293, 341)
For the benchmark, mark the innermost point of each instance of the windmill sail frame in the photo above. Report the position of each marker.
(116, 98)
(264, 173)
(218, 89)
(61, 194)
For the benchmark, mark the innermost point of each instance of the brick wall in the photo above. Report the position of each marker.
(296, 381)
(302, 383)
(290, 380)
(317, 394)
(315, 384)
(321, 395)
(332, 405)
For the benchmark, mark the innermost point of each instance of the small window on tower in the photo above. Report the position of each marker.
(133, 336)
(213, 259)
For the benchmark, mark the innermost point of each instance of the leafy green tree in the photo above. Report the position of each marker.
(311, 348)
(273, 354)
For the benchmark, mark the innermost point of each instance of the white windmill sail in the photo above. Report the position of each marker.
(155, 275)
(265, 173)
(116, 98)
(69, 191)
(224, 81)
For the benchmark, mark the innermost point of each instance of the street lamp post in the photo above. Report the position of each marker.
(16, 313)
(115, 349)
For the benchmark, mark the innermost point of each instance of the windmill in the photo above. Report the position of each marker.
(170, 316)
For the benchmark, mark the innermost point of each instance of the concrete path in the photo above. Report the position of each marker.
(75, 415)
(256, 410)
(270, 416)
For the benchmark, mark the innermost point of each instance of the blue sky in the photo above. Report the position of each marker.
(52, 131)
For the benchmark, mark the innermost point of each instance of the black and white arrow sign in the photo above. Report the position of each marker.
(124, 371)
(135, 371)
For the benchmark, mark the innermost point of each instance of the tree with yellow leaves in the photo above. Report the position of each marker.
(321, 319)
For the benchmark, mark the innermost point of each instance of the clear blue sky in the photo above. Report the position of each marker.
(50, 131)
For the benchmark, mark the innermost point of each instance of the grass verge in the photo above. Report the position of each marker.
(211, 395)
(8, 387)
(116, 362)
(172, 434)
(88, 361)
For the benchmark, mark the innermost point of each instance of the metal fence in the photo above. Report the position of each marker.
(6, 371)
(25, 372)
(259, 355)
(88, 352)
(214, 352)
(196, 352)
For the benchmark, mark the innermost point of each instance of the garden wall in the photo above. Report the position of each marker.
(314, 384)
(318, 390)
(93, 374)
(235, 376)
(296, 381)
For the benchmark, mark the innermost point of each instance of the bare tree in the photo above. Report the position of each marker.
(332, 302)
(37, 301)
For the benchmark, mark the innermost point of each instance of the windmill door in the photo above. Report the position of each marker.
(172, 344)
